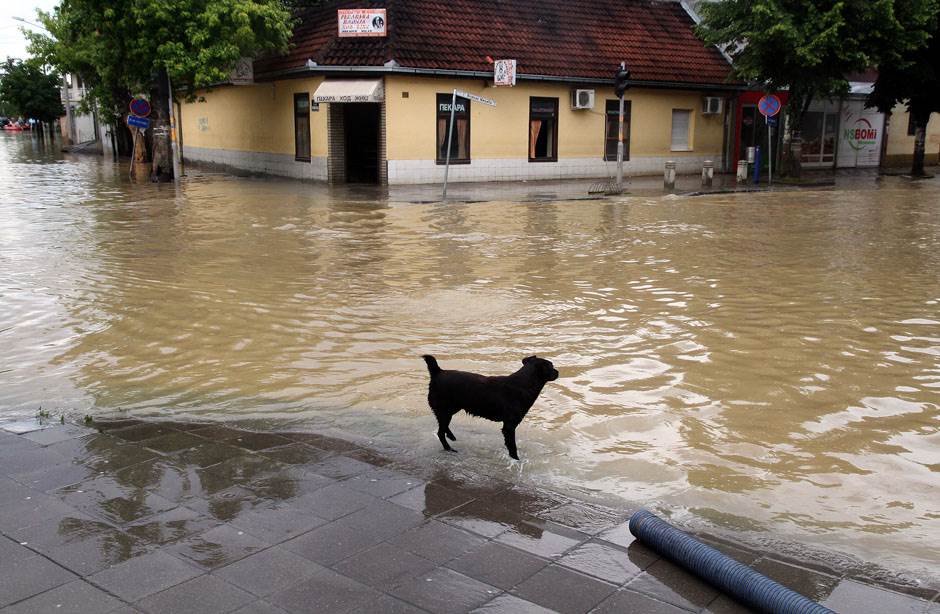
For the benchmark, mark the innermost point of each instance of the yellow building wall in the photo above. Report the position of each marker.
(900, 147)
(252, 118)
(503, 131)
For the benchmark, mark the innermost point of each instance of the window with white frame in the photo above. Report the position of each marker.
(681, 127)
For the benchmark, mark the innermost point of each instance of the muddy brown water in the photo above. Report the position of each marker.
(766, 364)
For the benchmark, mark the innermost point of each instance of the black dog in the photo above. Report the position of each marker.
(505, 398)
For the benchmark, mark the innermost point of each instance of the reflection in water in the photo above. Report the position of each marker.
(761, 362)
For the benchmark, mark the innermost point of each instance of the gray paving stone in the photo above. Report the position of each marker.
(21, 578)
(722, 604)
(334, 501)
(333, 542)
(218, 546)
(259, 607)
(106, 497)
(667, 582)
(84, 546)
(851, 596)
(437, 541)
(32, 509)
(382, 483)
(510, 604)
(629, 601)
(170, 527)
(15, 461)
(202, 595)
(278, 524)
(56, 434)
(498, 565)
(268, 571)
(564, 590)
(445, 591)
(538, 541)
(386, 517)
(382, 566)
(48, 479)
(326, 592)
(811, 584)
(144, 575)
(340, 467)
(77, 597)
(605, 562)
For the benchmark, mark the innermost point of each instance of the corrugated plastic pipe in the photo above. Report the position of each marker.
(740, 581)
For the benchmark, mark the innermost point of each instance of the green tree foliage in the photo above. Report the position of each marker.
(809, 46)
(120, 45)
(914, 78)
(27, 91)
(122, 48)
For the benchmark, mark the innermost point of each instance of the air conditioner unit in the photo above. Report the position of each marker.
(711, 105)
(582, 99)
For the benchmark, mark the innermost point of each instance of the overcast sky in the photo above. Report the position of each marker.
(12, 42)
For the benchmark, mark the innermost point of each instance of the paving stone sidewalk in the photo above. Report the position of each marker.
(164, 517)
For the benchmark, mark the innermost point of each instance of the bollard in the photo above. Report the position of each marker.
(742, 170)
(669, 176)
(708, 173)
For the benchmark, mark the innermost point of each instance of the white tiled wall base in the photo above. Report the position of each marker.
(283, 165)
(509, 169)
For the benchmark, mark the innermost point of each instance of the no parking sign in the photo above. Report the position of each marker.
(769, 105)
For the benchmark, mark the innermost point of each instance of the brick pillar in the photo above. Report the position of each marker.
(336, 160)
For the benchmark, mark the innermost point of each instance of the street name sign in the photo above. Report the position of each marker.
(480, 99)
(138, 122)
(769, 105)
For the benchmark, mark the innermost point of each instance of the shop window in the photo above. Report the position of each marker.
(302, 127)
(681, 123)
(460, 143)
(543, 129)
(612, 130)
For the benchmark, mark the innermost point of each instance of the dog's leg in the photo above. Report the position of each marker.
(443, 428)
(450, 435)
(509, 435)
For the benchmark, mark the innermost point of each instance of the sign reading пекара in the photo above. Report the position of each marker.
(361, 22)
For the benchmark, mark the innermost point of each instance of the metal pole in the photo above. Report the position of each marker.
(450, 136)
(623, 66)
(133, 154)
(68, 111)
(174, 151)
(770, 156)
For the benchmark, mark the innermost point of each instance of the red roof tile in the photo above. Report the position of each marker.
(558, 38)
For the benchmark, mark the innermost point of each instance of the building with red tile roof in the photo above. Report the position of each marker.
(366, 95)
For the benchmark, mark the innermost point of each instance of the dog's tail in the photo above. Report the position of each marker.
(433, 369)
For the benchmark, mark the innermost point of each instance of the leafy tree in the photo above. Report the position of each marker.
(913, 78)
(808, 46)
(27, 91)
(127, 47)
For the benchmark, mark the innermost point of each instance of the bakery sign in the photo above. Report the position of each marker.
(361, 22)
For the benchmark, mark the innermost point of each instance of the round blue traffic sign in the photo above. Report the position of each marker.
(140, 107)
(769, 105)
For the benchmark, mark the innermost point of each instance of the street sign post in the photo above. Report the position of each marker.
(450, 130)
(769, 106)
(621, 83)
(138, 122)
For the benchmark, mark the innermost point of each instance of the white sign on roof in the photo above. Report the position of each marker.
(504, 73)
(361, 22)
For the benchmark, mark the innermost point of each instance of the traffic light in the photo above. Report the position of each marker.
(620, 81)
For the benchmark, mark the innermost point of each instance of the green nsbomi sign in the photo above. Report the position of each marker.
(861, 134)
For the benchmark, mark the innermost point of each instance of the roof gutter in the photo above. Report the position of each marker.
(303, 71)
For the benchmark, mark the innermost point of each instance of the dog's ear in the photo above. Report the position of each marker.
(528, 359)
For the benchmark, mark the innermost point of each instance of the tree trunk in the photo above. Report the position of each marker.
(920, 138)
(141, 169)
(162, 161)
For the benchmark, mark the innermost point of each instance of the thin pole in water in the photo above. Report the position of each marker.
(450, 137)
(623, 66)
(770, 156)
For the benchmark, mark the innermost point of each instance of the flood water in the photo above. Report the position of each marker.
(767, 364)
